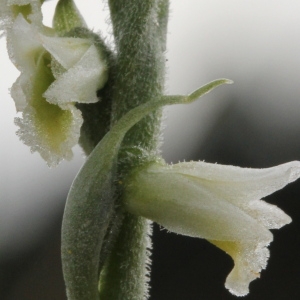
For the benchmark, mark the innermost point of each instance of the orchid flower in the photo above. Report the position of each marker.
(219, 203)
(56, 73)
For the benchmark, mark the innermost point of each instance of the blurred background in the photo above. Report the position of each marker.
(253, 123)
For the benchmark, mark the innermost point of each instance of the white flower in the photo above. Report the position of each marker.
(219, 203)
(56, 73)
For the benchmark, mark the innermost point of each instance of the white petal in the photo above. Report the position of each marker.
(23, 45)
(7, 13)
(267, 214)
(35, 6)
(182, 206)
(244, 184)
(18, 92)
(67, 51)
(244, 187)
(249, 259)
(33, 136)
(81, 82)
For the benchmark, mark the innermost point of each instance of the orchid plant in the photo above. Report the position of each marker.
(74, 88)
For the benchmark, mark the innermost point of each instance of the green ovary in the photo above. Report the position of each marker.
(52, 123)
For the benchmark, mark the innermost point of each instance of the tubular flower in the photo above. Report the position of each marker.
(56, 73)
(219, 203)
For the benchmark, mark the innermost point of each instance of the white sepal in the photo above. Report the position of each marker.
(83, 79)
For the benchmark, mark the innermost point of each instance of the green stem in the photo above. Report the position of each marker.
(140, 28)
(140, 42)
(125, 275)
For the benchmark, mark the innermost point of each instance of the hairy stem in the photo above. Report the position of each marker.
(140, 35)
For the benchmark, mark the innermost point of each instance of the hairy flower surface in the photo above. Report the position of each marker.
(216, 202)
(56, 73)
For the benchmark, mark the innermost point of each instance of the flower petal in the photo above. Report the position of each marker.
(66, 50)
(249, 259)
(244, 187)
(18, 94)
(23, 45)
(243, 184)
(184, 207)
(30, 9)
(45, 127)
(54, 139)
(82, 81)
(10, 9)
